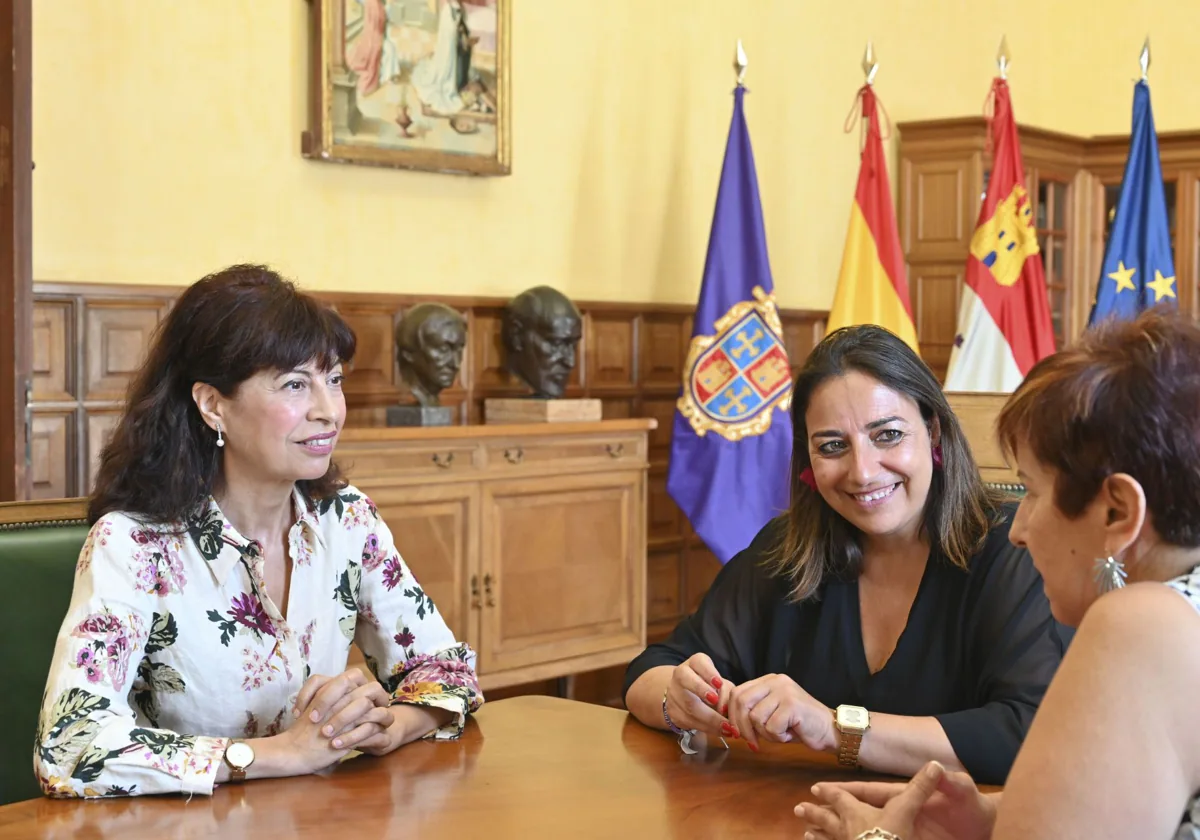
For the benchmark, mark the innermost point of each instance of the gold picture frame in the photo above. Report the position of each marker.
(413, 84)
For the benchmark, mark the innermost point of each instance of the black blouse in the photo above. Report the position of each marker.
(978, 651)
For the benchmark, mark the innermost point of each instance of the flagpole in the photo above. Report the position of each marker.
(739, 64)
(1144, 58)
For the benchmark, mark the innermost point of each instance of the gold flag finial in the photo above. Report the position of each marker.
(739, 63)
(870, 65)
(1002, 57)
(1144, 58)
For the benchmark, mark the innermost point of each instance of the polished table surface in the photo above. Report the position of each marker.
(525, 767)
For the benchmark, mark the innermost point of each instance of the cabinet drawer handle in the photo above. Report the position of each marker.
(615, 450)
(443, 460)
(487, 590)
(474, 592)
(515, 455)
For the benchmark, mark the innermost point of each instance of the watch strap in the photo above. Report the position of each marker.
(851, 742)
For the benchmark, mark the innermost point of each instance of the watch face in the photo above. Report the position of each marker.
(239, 754)
(852, 717)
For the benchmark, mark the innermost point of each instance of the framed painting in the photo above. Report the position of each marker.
(417, 84)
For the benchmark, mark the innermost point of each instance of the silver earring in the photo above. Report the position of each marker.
(220, 437)
(1110, 574)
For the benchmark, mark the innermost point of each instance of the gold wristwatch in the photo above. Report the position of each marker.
(238, 755)
(852, 722)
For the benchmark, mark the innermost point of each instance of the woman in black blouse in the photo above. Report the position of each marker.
(885, 617)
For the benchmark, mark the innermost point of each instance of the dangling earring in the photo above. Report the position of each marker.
(1110, 574)
(220, 437)
(937, 456)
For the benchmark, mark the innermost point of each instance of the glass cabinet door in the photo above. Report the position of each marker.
(1053, 225)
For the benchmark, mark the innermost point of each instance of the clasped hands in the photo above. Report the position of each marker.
(336, 714)
(770, 708)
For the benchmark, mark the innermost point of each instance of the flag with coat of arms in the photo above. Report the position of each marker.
(731, 441)
(1004, 324)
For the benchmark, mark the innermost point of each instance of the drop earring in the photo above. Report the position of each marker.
(220, 437)
(1110, 574)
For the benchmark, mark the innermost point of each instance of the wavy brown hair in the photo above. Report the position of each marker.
(163, 461)
(959, 511)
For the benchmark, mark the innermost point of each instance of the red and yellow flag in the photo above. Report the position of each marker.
(872, 286)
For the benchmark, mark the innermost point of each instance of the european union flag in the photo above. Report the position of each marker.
(1139, 270)
(732, 439)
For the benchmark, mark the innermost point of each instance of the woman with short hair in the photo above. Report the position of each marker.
(1105, 438)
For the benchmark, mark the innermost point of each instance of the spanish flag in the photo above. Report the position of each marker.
(872, 287)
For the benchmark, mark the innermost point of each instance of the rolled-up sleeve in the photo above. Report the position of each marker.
(406, 643)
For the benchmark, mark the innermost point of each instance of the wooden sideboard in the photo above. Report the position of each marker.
(531, 539)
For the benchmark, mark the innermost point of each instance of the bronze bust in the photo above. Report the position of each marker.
(540, 330)
(430, 340)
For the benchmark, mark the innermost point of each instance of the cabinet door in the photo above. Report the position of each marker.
(564, 564)
(436, 530)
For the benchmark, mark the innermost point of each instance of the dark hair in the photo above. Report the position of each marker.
(1124, 399)
(960, 509)
(162, 461)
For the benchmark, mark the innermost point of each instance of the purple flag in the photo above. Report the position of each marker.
(732, 441)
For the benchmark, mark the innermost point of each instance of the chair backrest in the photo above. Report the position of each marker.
(39, 547)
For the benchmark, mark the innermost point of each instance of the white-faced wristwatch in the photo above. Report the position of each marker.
(852, 722)
(238, 755)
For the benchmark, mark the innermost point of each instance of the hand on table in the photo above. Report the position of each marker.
(773, 707)
(338, 714)
(698, 698)
(935, 805)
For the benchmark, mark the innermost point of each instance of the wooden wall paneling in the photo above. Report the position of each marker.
(116, 336)
(53, 453)
(374, 381)
(611, 363)
(663, 348)
(100, 424)
(54, 341)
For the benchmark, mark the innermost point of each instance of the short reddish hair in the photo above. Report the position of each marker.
(1124, 399)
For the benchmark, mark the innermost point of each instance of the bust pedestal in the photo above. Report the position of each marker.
(533, 410)
(419, 415)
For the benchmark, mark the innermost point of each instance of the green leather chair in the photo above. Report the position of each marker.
(39, 546)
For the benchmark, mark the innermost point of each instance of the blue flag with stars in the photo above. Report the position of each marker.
(1139, 270)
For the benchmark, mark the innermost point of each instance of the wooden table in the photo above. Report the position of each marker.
(527, 767)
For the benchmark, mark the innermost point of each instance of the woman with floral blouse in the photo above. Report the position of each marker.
(229, 567)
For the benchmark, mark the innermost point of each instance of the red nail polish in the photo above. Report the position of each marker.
(753, 747)
(736, 734)
(716, 682)
(725, 709)
(711, 697)
(726, 729)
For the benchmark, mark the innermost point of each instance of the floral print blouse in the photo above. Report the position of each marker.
(172, 646)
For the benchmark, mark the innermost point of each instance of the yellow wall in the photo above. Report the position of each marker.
(166, 136)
